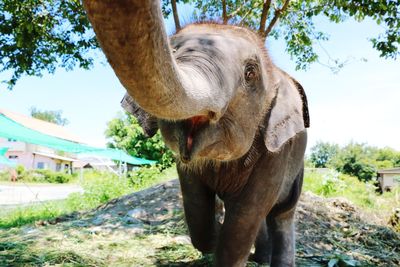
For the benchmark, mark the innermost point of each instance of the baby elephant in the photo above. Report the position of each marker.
(236, 122)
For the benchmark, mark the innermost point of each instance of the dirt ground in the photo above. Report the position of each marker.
(147, 229)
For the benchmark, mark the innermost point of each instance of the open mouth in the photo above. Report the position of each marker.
(194, 124)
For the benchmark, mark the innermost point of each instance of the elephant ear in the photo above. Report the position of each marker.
(288, 114)
(146, 121)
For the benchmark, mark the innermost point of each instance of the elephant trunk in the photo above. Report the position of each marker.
(133, 38)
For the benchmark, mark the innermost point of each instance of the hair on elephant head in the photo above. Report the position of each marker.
(236, 122)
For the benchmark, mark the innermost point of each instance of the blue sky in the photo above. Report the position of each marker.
(361, 103)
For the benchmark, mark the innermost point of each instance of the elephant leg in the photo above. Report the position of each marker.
(199, 207)
(236, 236)
(282, 234)
(263, 245)
(280, 225)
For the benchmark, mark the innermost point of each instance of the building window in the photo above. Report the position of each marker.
(13, 157)
(41, 165)
(58, 167)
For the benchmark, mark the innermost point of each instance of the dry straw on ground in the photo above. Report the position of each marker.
(147, 229)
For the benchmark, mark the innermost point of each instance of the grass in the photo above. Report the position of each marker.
(361, 194)
(164, 242)
(99, 188)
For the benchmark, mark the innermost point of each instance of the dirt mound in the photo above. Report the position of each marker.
(147, 229)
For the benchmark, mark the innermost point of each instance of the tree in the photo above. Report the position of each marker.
(39, 36)
(124, 132)
(53, 116)
(322, 153)
(357, 160)
(389, 156)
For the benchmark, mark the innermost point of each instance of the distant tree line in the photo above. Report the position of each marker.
(53, 116)
(356, 159)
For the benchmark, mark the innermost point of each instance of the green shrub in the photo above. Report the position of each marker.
(144, 176)
(99, 191)
(43, 176)
(331, 184)
(4, 176)
(334, 184)
(20, 170)
(54, 177)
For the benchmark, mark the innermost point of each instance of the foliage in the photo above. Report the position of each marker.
(124, 132)
(331, 184)
(355, 159)
(54, 177)
(342, 260)
(322, 153)
(362, 194)
(4, 176)
(53, 116)
(99, 188)
(38, 176)
(143, 177)
(39, 36)
(20, 169)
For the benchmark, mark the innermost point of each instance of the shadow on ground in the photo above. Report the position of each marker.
(147, 229)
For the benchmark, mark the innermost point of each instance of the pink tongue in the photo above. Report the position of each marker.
(195, 122)
(189, 142)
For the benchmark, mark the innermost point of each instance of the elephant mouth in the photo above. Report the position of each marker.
(193, 124)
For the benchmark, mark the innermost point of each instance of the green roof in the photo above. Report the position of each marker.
(3, 159)
(14, 130)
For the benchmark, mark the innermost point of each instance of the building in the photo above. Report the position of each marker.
(388, 178)
(33, 156)
(37, 144)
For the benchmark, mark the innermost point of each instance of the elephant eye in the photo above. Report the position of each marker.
(251, 72)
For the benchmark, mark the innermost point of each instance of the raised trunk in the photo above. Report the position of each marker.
(132, 36)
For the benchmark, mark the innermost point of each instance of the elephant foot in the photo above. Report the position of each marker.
(260, 259)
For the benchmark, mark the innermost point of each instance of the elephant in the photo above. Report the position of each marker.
(237, 123)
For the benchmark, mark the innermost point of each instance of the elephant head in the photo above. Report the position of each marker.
(212, 86)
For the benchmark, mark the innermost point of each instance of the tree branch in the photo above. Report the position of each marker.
(264, 16)
(234, 13)
(277, 14)
(224, 15)
(176, 16)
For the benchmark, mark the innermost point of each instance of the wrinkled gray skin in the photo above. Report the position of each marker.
(236, 122)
